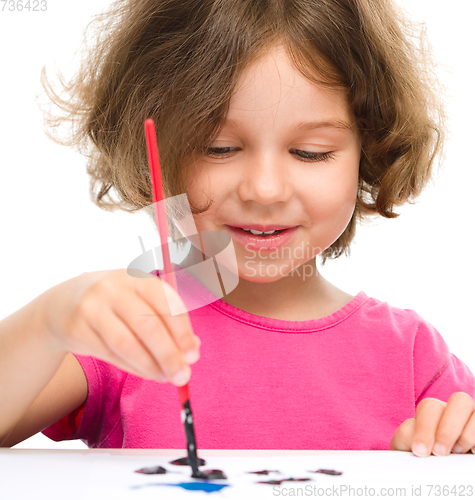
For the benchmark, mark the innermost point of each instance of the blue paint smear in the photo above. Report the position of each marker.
(197, 486)
(201, 486)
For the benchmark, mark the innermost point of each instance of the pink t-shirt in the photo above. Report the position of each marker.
(345, 381)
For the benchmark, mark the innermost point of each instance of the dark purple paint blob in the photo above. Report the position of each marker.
(263, 472)
(184, 461)
(152, 470)
(210, 474)
(328, 471)
(280, 481)
(208, 487)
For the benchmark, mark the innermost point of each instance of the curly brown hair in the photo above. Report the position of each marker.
(178, 62)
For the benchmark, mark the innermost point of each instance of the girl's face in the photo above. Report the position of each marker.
(287, 155)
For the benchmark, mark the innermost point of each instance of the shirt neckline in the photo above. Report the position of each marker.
(286, 326)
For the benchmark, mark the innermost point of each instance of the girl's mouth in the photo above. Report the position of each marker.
(261, 241)
(260, 233)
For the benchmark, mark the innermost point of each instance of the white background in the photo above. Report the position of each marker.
(51, 231)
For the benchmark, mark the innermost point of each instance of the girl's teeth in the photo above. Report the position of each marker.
(258, 232)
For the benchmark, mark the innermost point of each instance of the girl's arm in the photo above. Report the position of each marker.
(65, 392)
(39, 381)
(109, 315)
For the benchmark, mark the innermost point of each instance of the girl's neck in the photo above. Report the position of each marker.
(291, 298)
(295, 297)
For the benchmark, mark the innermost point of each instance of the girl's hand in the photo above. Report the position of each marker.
(124, 321)
(438, 428)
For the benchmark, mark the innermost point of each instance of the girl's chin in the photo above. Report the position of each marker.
(260, 279)
(270, 273)
(262, 275)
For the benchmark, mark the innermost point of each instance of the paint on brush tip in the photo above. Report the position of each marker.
(157, 469)
(197, 486)
(184, 461)
(280, 481)
(201, 474)
(327, 471)
(210, 474)
(263, 472)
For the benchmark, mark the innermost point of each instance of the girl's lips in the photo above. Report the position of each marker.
(255, 242)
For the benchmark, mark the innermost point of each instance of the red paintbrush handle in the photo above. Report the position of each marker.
(157, 189)
(184, 394)
(161, 218)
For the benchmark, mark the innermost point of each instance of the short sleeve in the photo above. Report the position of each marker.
(67, 428)
(455, 377)
(437, 372)
(93, 421)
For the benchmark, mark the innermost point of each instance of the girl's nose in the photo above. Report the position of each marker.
(265, 180)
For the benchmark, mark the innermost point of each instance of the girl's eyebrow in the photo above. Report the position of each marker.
(304, 126)
(334, 123)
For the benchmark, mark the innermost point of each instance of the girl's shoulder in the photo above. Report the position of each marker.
(403, 324)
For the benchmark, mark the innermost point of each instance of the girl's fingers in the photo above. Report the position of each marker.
(451, 426)
(85, 334)
(132, 318)
(437, 422)
(124, 344)
(466, 441)
(148, 327)
(402, 439)
(428, 414)
(152, 291)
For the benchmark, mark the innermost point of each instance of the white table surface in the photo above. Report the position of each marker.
(109, 474)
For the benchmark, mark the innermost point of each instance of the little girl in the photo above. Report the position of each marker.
(295, 119)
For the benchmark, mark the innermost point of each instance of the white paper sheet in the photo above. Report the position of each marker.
(102, 476)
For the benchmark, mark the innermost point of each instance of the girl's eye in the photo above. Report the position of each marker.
(308, 156)
(219, 152)
(303, 155)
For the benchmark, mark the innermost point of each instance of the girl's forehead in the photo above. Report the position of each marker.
(271, 83)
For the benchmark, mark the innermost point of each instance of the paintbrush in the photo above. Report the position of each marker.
(169, 277)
